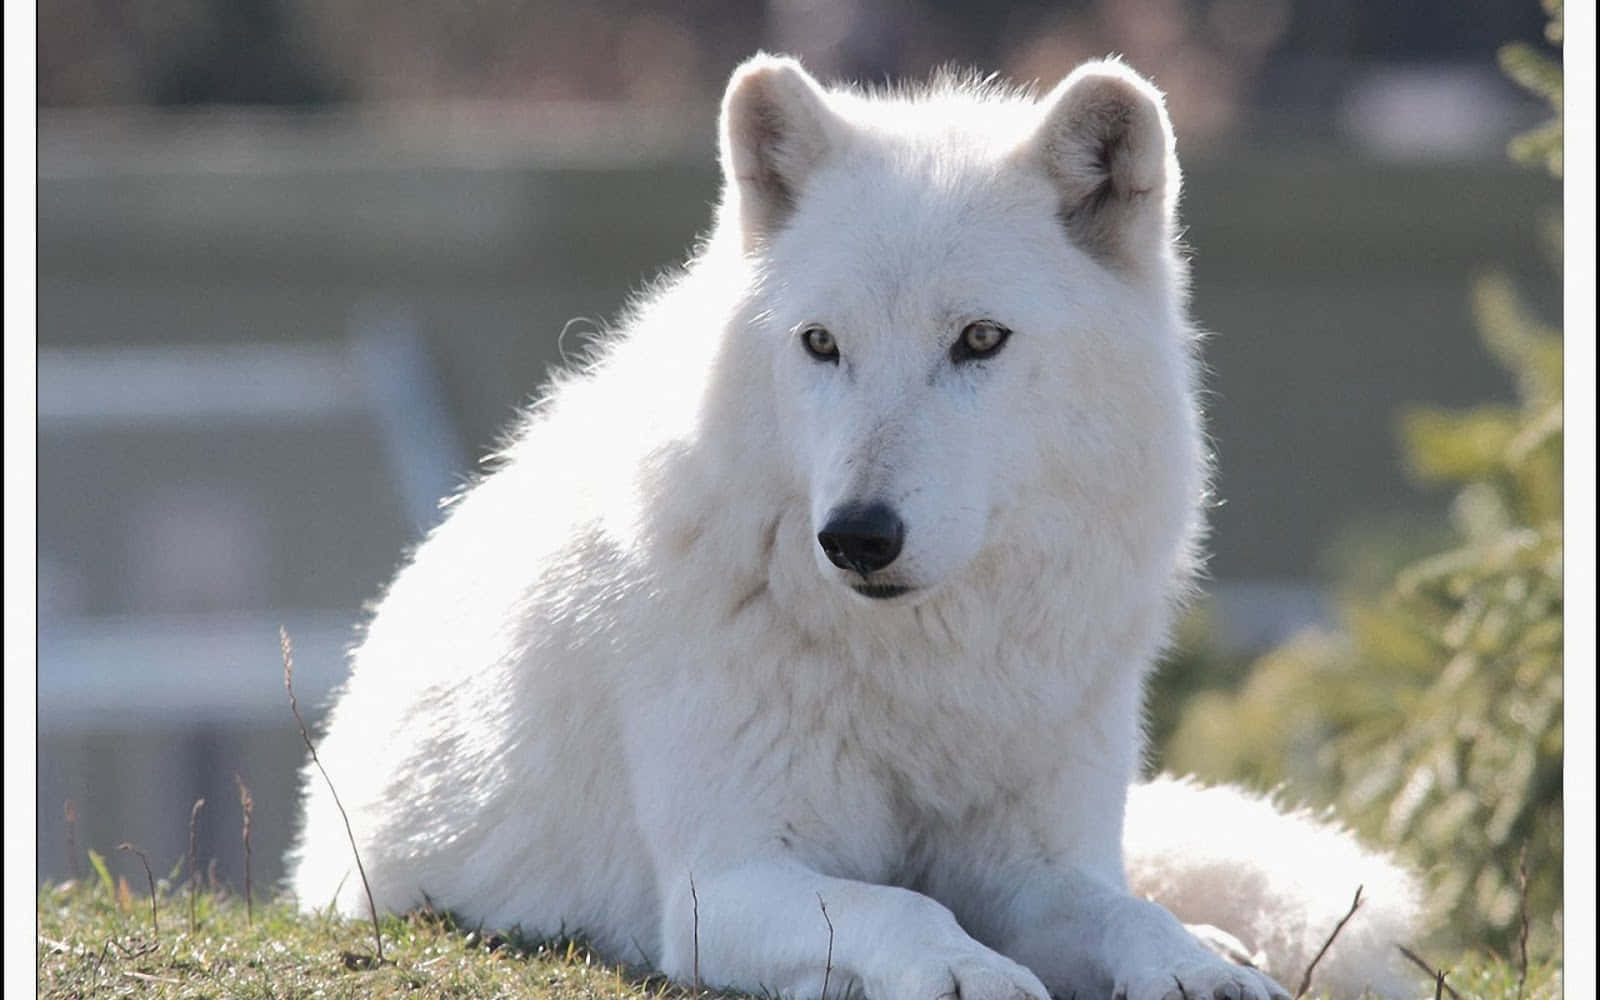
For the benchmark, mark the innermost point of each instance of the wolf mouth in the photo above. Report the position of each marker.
(880, 591)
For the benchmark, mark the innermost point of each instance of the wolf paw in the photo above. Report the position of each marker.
(1213, 980)
(977, 977)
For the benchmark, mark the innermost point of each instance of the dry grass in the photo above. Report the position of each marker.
(93, 943)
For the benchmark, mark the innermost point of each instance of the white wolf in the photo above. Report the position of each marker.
(834, 581)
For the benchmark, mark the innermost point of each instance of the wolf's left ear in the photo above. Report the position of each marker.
(1107, 145)
(776, 130)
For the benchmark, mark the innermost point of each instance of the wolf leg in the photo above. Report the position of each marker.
(776, 928)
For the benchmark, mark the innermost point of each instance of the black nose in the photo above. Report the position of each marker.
(862, 538)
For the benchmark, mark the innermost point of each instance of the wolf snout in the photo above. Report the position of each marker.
(862, 537)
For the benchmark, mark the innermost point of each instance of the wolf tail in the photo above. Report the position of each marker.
(1279, 881)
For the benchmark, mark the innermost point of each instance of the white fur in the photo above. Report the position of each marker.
(1279, 880)
(621, 692)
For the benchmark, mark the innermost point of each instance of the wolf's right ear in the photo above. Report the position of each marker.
(1106, 143)
(776, 129)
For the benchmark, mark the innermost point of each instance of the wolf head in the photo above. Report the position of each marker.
(971, 310)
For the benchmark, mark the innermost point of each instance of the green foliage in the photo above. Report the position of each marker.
(1482, 976)
(1540, 74)
(1432, 717)
(98, 860)
(1193, 667)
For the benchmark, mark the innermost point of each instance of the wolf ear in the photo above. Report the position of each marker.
(776, 129)
(1107, 145)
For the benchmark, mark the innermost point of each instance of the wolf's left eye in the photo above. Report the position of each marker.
(820, 343)
(979, 340)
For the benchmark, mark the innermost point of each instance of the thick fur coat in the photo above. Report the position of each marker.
(835, 578)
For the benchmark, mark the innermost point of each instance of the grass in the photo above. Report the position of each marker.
(1481, 976)
(95, 940)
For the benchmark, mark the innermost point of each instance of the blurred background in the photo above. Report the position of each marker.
(300, 262)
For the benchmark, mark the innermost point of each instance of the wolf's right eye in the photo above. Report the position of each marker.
(819, 343)
(978, 341)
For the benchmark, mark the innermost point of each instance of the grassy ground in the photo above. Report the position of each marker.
(97, 940)
(98, 943)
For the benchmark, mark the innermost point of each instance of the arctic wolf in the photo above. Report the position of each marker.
(800, 638)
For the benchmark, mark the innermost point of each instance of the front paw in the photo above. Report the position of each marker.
(1203, 979)
(979, 974)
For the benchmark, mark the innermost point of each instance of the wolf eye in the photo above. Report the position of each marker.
(820, 344)
(978, 340)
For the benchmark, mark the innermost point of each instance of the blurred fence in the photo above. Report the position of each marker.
(268, 344)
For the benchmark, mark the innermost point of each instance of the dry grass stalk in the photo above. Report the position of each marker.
(1522, 938)
(194, 870)
(1305, 981)
(1437, 973)
(71, 812)
(827, 966)
(694, 901)
(155, 929)
(247, 805)
(288, 684)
